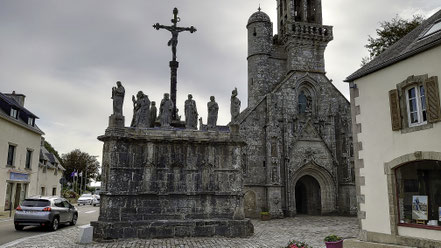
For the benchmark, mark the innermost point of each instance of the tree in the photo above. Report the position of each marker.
(79, 161)
(389, 33)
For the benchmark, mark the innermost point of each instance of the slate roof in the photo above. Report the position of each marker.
(6, 103)
(12, 102)
(411, 44)
(49, 157)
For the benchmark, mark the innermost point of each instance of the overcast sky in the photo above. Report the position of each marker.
(65, 56)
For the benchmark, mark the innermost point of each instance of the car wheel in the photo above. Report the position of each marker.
(18, 227)
(74, 220)
(94, 204)
(54, 225)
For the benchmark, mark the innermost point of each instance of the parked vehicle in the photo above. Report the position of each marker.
(45, 211)
(96, 200)
(85, 199)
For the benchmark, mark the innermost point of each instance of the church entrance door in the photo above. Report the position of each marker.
(308, 196)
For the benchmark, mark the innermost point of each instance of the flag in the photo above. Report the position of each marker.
(74, 174)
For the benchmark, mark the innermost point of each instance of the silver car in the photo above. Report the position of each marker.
(85, 199)
(46, 211)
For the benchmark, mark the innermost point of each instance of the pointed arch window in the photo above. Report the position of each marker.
(297, 11)
(312, 9)
(304, 102)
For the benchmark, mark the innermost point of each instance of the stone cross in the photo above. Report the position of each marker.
(174, 64)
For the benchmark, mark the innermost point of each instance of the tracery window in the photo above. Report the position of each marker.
(304, 102)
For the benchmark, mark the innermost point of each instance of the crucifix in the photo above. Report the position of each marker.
(174, 64)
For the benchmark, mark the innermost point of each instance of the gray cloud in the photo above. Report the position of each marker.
(66, 55)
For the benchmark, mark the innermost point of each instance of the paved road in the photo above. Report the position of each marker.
(267, 234)
(8, 232)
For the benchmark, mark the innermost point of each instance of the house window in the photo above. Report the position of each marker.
(434, 29)
(31, 121)
(54, 191)
(43, 191)
(419, 194)
(28, 159)
(416, 105)
(14, 113)
(11, 153)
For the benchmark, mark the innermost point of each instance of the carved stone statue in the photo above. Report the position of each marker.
(153, 114)
(235, 105)
(213, 109)
(118, 98)
(191, 113)
(165, 111)
(141, 110)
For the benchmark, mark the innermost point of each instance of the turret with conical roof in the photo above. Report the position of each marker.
(260, 37)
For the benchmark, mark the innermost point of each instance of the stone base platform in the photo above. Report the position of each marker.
(171, 228)
(353, 243)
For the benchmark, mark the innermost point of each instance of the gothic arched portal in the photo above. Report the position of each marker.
(322, 193)
(308, 196)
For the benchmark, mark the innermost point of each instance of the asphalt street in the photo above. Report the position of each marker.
(86, 214)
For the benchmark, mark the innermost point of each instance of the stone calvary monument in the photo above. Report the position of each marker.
(163, 181)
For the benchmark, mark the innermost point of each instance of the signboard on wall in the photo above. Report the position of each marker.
(14, 176)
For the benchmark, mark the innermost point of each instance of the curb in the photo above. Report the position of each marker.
(18, 241)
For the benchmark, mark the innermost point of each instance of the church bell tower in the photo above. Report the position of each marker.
(303, 35)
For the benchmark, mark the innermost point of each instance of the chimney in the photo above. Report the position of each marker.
(42, 141)
(19, 98)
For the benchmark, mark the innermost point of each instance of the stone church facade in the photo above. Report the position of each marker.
(298, 158)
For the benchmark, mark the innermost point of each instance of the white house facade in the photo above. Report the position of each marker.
(395, 105)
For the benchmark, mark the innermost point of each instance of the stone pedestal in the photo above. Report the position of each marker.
(171, 183)
(116, 121)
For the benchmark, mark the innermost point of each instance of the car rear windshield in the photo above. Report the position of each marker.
(36, 203)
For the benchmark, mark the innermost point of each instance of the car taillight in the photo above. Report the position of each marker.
(48, 209)
(18, 208)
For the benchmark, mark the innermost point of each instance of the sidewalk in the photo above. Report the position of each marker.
(271, 234)
(5, 214)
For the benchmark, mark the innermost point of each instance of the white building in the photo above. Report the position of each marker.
(19, 151)
(26, 167)
(397, 140)
(49, 173)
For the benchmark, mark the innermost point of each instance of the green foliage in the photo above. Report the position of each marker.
(69, 194)
(79, 161)
(297, 244)
(52, 150)
(264, 213)
(388, 34)
(333, 238)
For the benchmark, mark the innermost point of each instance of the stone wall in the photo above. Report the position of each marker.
(164, 183)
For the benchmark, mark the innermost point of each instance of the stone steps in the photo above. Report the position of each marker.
(353, 243)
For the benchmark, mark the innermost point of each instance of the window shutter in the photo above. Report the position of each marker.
(395, 110)
(432, 99)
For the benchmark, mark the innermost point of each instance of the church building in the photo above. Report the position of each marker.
(298, 158)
